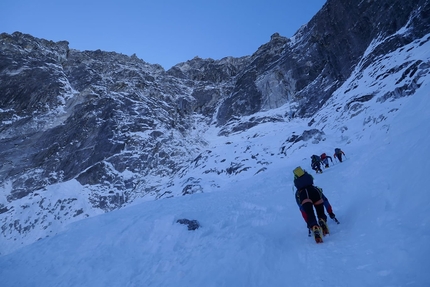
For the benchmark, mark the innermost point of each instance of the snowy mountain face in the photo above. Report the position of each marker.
(87, 132)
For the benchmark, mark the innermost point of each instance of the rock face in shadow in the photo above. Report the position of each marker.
(123, 126)
(318, 59)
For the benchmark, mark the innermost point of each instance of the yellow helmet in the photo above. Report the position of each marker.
(298, 172)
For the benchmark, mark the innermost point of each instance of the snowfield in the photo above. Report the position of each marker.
(252, 233)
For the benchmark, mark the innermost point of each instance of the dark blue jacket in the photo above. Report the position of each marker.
(303, 181)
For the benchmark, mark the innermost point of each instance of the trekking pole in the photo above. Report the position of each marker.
(309, 232)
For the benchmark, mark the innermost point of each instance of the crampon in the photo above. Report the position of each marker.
(317, 233)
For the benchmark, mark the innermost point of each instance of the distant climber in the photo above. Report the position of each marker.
(338, 154)
(316, 163)
(324, 159)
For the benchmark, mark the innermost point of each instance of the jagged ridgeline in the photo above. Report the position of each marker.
(124, 129)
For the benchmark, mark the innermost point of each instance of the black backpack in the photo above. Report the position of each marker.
(315, 158)
(337, 151)
(303, 181)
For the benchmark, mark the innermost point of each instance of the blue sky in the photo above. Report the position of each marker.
(165, 32)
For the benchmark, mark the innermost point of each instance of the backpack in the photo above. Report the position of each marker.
(315, 158)
(302, 179)
(337, 151)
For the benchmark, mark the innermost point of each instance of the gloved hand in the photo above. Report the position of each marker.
(332, 215)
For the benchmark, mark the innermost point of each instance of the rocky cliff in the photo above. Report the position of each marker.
(124, 129)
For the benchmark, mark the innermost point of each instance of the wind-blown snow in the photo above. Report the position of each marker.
(252, 233)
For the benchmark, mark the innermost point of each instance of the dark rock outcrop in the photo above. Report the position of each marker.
(192, 224)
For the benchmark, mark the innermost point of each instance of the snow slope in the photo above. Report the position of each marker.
(252, 233)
